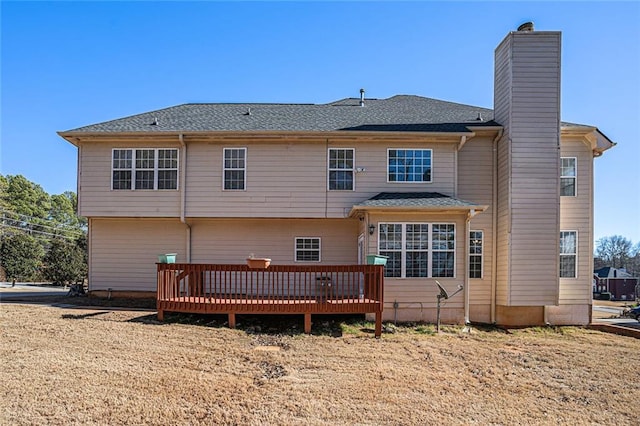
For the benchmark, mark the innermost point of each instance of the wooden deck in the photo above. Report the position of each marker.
(278, 289)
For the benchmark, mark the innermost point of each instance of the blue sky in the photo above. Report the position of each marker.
(69, 64)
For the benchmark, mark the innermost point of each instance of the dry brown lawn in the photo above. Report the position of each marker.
(80, 366)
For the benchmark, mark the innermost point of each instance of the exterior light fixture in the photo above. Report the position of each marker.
(372, 229)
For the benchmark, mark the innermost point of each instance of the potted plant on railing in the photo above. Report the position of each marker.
(258, 262)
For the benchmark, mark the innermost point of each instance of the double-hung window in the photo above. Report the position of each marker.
(144, 168)
(307, 249)
(418, 249)
(475, 254)
(167, 168)
(568, 176)
(122, 169)
(568, 254)
(341, 163)
(235, 168)
(409, 165)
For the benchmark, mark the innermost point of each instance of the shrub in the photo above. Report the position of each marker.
(605, 295)
(65, 262)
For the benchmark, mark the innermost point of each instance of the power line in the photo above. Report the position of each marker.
(46, 227)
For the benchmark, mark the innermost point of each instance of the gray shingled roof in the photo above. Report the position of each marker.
(402, 113)
(415, 199)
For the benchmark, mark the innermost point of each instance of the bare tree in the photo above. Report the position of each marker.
(615, 251)
(633, 267)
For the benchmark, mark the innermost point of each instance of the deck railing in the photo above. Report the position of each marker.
(278, 289)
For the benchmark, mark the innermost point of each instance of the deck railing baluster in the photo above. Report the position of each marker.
(299, 289)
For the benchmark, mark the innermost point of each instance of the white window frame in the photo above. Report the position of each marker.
(139, 170)
(159, 169)
(403, 251)
(133, 169)
(411, 182)
(480, 255)
(574, 254)
(338, 169)
(123, 169)
(225, 169)
(574, 177)
(296, 250)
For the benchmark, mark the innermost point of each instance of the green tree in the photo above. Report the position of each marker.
(65, 262)
(4, 184)
(20, 256)
(27, 198)
(63, 209)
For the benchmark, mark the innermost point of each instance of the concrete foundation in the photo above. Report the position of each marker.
(428, 315)
(480, 314)
(519, 316)
(569, 314)
(123, 294)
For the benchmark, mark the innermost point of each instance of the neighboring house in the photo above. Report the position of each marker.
(498, 201)
(621, 284)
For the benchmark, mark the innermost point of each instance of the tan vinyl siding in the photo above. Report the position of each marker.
(502, 81)
(231, 241)
(575, 215)
(475, 183)
(503, 231)
(528, 96)
(502, 92)
(124, 251)
(284, 179)
(290, 179)
(96, 198)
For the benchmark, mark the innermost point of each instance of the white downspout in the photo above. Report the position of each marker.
(494, 228)
(183, 198)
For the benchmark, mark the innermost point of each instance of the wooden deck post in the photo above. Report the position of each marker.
(289, 289)
(232, 320)
(307, 323)
(378, 324)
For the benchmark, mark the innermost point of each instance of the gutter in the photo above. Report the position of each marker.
(404, 209)
(319, 135)
(183, 197)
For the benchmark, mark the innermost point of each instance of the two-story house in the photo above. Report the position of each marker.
(498, 202)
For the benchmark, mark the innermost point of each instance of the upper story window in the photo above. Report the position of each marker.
(307, 249)
(475, 254)
(341, 164)
(144, 168)
(418, 249)
(568, 254)
(409, 165)
(235, 168)
(568, 176)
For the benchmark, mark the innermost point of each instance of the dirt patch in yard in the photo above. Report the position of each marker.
(73, 366)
